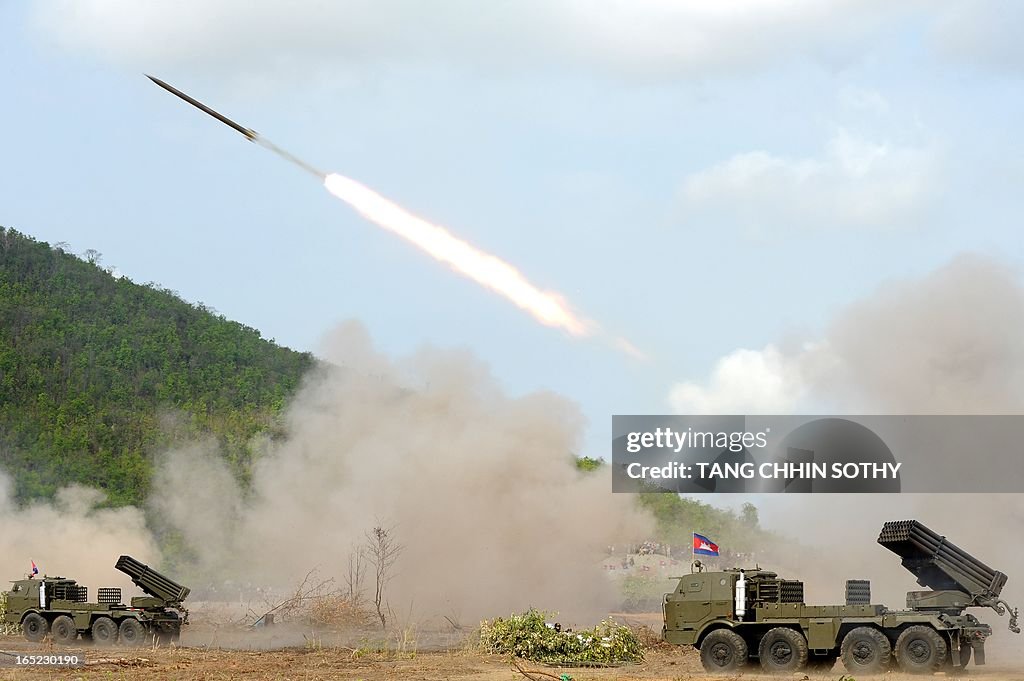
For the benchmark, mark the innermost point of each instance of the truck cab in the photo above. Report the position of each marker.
(699, 598)
(38, 594)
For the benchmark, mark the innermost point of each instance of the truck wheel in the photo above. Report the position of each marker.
(132, 632)
(920, 650)
(866, 650)
(104, 631)
(723, 651)
(64, 631)
(782, 650)
(35, 627)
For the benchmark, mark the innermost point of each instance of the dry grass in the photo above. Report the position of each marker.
(334, 610)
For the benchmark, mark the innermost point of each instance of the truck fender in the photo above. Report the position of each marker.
(712, 626)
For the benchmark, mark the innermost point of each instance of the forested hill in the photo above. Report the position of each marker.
(94, 368)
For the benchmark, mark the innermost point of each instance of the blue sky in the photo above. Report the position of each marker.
(698, 178)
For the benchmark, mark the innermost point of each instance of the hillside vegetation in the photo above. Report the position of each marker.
(96, 372)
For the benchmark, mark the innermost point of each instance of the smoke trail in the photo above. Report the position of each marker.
(288, 156)
(546, 307)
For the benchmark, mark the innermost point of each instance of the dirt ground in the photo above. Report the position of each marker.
(312, 663)
(218, 652)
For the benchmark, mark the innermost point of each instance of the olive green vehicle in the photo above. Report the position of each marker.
(738, 616)
(60, 607)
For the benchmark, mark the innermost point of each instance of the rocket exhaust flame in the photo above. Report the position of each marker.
(485, 269)
(547, 307)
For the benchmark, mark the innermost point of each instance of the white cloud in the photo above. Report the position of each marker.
(854, 182)
(744, 382)
(642, 37)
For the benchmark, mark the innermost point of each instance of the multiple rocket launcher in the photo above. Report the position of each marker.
(736, 616)
(945, 568)
(152, 582)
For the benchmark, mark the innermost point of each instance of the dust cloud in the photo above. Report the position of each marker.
(480, 489)
(951, 342)
(72, 536)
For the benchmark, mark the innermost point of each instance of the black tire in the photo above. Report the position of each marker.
(921, 650)
(64, 630)
(723, 650)
(132, 633)
(104, 631)
(782, 650)
(866, 650)
(35, 627)
(821, 664)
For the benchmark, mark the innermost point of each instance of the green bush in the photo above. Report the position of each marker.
(5, 628)
(530, 637)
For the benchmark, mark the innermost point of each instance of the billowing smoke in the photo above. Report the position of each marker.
(951, 342)
(480, 488)
(72, 537)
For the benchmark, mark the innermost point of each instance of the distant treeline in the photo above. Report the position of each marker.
(677, 518)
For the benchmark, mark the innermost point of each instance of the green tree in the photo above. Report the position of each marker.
(749, 514)
(587, 464)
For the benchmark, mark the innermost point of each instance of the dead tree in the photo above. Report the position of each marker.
(356, 574)
(381, 551)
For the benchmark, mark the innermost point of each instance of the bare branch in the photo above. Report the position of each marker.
(382, 550)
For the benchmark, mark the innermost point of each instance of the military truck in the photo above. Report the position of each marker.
(736, 616)
(60, 607)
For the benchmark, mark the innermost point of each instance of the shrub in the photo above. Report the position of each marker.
(531, 637)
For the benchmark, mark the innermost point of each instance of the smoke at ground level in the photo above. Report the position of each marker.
(72, 536)
(480, 490)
